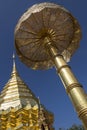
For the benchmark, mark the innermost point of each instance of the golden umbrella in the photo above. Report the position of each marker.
(47, 35)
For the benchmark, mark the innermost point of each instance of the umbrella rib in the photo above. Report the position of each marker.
(27, 31)
(35, 18)
(31, 27)
(59, 45)
(35, 43)
(62, 22)
(43, 19)
(62, 34)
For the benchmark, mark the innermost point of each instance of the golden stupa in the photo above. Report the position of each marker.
(20, 109)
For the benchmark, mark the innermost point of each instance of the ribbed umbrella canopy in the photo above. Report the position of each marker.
(41, 21)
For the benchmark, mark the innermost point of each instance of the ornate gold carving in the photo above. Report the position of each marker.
(23, 119)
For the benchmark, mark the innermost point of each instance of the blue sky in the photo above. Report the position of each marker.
(45, 84)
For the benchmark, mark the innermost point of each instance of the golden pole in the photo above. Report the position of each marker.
(72, 86)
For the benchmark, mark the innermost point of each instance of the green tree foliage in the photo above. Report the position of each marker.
(74, 127)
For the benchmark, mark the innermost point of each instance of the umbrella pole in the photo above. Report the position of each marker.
(72, 86)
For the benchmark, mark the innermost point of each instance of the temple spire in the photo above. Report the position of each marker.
(16, 93)
(14, 71)
(13, 58)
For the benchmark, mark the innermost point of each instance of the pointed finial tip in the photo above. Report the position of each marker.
(14, 65)
(13, 59)
(13, 56)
